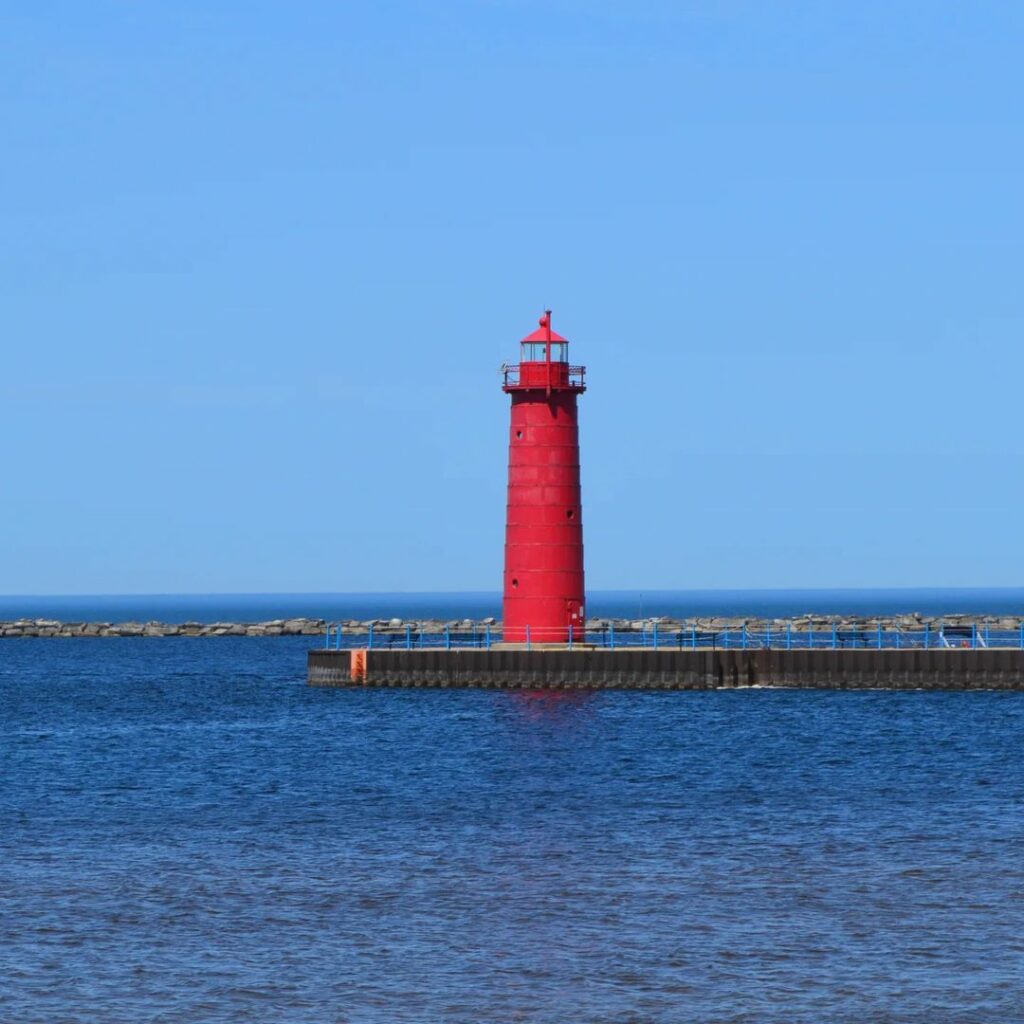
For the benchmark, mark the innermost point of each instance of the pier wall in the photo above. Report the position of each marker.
(625, 669)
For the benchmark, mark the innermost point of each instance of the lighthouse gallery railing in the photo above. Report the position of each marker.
(512, 375)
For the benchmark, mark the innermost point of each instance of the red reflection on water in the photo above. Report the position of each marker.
(550, 704)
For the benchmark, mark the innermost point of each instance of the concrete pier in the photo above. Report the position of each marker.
(630, 669)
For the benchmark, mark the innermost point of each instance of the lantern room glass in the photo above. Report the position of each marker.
(534, 352)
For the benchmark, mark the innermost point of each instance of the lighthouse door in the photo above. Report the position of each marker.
(572, 615)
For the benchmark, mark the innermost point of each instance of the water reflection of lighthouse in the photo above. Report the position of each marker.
(543, 587)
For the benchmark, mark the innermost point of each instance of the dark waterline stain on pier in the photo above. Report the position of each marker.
(192, 834)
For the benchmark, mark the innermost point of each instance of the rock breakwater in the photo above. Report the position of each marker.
(53, 628)
(396, 629)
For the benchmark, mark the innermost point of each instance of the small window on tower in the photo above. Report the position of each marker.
(559, 352)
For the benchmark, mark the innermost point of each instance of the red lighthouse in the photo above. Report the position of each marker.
(543, 591)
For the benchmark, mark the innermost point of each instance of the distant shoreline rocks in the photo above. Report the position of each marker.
(396, 627)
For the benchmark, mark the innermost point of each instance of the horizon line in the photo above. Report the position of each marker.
(497, 592)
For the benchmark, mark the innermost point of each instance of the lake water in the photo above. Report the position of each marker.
(190, 834)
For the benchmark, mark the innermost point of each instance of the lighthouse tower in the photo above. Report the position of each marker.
(543, 591)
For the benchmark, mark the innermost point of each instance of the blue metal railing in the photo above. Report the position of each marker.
(482, 637)
(764, 637)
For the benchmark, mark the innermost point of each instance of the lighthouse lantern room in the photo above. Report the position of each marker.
(543, 586)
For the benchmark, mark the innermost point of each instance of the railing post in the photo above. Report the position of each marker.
(487, 634)
(447, 638)
(879, 634)
(987, 644)
(744, 636)
(655, 636)
(810, 636)
(927, 634)
(408, 637)
(528, 638)
(834, 637)
(974, 636)
(570, 636)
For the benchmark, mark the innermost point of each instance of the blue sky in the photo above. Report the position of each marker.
(260, 263)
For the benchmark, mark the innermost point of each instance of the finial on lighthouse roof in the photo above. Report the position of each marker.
(544, 332)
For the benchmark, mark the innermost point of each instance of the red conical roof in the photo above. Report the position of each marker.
(544, 332)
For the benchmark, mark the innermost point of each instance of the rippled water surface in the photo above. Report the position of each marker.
(190, 834)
